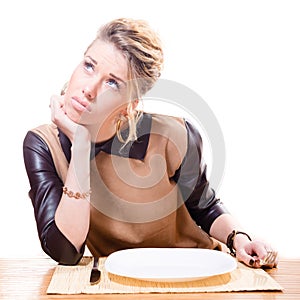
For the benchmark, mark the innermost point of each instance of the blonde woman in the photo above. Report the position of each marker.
(108, 176)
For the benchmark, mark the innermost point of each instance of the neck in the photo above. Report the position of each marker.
(102, 133)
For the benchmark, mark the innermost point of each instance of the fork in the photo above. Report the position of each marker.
(269, 259)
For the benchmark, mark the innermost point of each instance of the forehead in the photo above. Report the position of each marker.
(109, 58)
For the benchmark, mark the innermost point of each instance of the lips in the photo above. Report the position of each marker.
(80, 104)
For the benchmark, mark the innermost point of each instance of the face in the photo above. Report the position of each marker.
(96, 92)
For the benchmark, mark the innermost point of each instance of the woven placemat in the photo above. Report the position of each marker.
(75, 280)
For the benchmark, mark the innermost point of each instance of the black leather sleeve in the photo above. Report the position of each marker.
(45, 194)
(199, 197)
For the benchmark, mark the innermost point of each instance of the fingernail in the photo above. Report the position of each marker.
(251, 262)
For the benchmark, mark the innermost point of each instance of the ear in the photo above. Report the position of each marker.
(135, 103)
(64, 88)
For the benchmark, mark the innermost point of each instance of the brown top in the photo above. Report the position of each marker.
(135, 202)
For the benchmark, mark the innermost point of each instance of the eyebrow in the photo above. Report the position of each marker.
(93, 61)
(116, 77)
(110, 74)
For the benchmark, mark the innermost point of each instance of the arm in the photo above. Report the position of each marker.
(72, 216)
(62, 221)
(199, 197)
(247, 251)
(45, 194)
(207, 211)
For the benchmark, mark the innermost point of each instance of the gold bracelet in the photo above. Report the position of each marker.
(76, 195)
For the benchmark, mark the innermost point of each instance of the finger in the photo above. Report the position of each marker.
(258, 254)
(263, 254)
(56, 100)
(258, 248)
(266, 254)
(250, 255)
(247, 259)
(271, 260)
(57, 113)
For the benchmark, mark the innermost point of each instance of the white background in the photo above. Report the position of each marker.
(241, 57)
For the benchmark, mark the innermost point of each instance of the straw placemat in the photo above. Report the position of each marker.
(75, 280)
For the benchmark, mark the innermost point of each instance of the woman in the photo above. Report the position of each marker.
(108, 176)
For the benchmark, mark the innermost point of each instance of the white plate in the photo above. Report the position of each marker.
(169, 264)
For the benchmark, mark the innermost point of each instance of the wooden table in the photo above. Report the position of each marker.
(29, 279)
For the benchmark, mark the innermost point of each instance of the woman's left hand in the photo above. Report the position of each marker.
(256, 253)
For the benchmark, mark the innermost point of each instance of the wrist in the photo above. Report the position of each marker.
(236, 239)
(240, 240)
(81, 144)
(81, 147)
(79, 134)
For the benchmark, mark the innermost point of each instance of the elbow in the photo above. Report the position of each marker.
(64, 254)
(60, 249)
(70, 260)
(205, 217)
(210, 214)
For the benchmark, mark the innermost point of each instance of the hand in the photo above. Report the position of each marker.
(60, 118)
(254, 253)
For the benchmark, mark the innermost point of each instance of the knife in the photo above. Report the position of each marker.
(95, 273)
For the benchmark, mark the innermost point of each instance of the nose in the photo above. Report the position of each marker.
(89, 93)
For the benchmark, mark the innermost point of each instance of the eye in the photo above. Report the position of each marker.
(113, 83)
(89, 66)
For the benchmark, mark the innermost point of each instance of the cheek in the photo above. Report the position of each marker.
(106, 108)
(110, 102)
(74, 79)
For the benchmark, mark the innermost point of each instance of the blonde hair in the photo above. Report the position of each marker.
(142, 49)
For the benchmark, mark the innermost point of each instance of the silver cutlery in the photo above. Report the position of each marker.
(270, 259)
(95, 272)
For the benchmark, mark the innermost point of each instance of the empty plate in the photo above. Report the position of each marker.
(169, 264)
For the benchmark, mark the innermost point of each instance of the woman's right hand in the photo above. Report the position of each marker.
(63, 122)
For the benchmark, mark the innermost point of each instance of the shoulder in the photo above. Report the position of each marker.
(44, 140)
(48, 132)
(171, 132)
(35, 147)
(45, 129)
(169, 127)
(167, 122)
(34, 137)
(40, 137)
